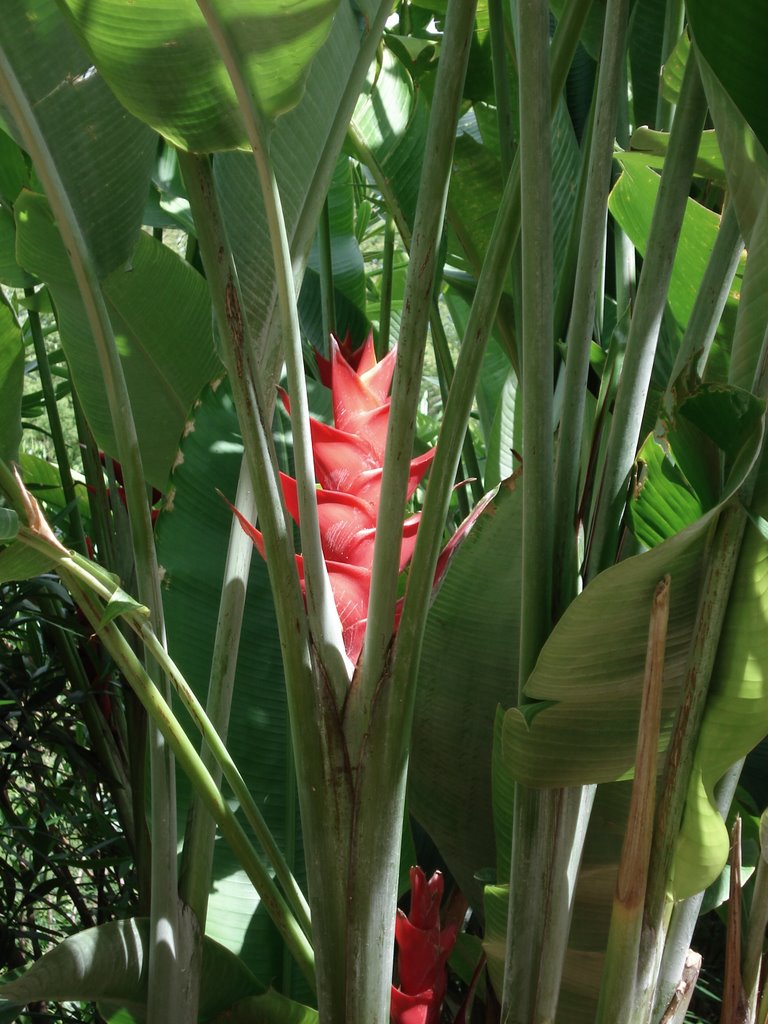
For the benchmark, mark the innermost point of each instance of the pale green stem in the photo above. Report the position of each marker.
(327, 303)
(674, 16)
(535, 814)
(537, 368)
(101, 524)
(213, 723)
(649, 308)
(162, 714)
(385, 316)
(306, 225)
(589, 274)
(324, 622)
(501, 88)
(710, 299)
(461, 397)
(166, 1002)
(219, 759)
(406, 390)
(197, 855)
(52, 409)
(446, 372)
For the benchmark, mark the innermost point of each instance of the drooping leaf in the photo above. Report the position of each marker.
(73, 110)
(9, 525)
(686, 470)
(109, 964)
(632, 203)
(588, 679)
(271, 1008)
(161, 61)
(14, 173)
(389, 128)
(160, 311)
(460, 686)
(20, 562)
(736, 715)
(11, 274)
(733, 42)
(663, 502)
(649, 148)
(11, 384)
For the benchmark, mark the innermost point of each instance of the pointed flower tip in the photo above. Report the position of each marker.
(348, 461)
(423, 949)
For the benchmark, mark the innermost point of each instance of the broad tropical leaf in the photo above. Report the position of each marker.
(62, 93)
(109, 964)
(461, 685)
(162, 62)
(11, 384)
(160, 311)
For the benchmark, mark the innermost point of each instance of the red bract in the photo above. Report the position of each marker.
(348, 461)
(423, 949)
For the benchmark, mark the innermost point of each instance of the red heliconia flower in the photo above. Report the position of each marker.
(348, 461)
(423, 949)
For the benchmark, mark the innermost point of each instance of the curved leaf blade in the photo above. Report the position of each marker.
(160, 311)
(74, 108)
(163, 65)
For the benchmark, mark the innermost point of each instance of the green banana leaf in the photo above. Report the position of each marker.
(108, 964)
(11, 384)
(736, 715)
(632, 203)
(468, 666)
(160, 312)
(71, 107)
(162, 63)
(318, 126)
(733, 42)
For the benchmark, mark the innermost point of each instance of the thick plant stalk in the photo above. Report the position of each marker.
(375, 740)
(167, 1000)
(420, 283)
(387, 277)
(535, 813)
(589, 273)
(646, 320)
(710, 298)
(616, 1002)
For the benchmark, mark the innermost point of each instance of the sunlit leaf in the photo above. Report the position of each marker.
(162, 63)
